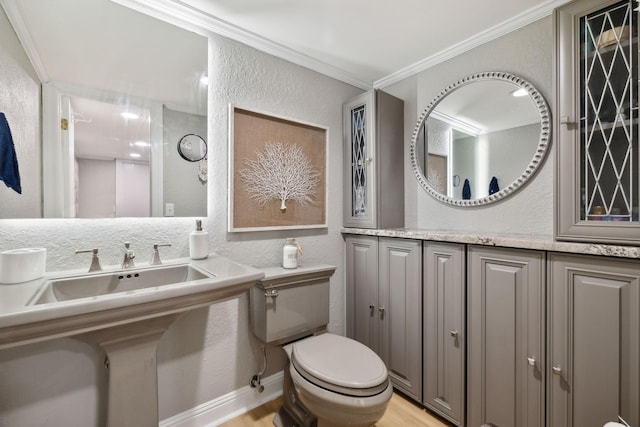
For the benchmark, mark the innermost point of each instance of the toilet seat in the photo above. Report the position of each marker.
(340, 364)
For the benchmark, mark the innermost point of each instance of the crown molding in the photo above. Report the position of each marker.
(525, 18)
(456, 123)
(15, 15)
(203, 23)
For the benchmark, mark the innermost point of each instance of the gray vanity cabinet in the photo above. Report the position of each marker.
(594, 341)
(597, 121)
(505, 337)
(374, 161)
(384, 310)
(444, 304)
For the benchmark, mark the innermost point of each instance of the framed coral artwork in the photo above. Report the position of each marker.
(277, 172)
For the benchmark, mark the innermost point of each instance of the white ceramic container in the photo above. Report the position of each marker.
(22, 265)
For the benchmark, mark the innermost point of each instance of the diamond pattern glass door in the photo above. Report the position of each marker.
(609, 114)
(359, 202)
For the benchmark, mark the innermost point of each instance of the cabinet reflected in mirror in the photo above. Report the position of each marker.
(478, 141)
(115, 61)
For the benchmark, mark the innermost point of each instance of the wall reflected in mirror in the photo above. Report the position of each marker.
(479, 138)
(115, 101)
(455, 156)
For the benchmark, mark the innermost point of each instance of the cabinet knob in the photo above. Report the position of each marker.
(557, 370)
(454, 334)
(565, 120)
(531, 361)
(381, 310)
(371, 309)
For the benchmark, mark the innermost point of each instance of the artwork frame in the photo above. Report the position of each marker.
(255, 203)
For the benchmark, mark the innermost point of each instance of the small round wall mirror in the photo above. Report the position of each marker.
(480, 139)
(192, 148)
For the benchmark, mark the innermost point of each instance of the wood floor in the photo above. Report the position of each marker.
(400, 412)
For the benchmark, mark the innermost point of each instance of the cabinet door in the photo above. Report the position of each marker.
(400, 313)
(362, 289)
(505, 337)
(594, 341)
(360, 174)
(444, 329)
(597, 121)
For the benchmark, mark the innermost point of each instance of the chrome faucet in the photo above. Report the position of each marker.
(155, 259)
(129, 255)
(95, 261)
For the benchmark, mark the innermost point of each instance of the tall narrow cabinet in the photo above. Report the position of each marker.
(384, 310)
(598, 179)
(373, 126)
(505, 337)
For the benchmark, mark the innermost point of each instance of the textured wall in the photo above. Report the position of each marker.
(20, 102)
(208, 352)
(528, 53)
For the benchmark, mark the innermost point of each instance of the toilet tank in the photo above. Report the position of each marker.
(288, 304)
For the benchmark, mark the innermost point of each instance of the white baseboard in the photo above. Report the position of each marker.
(229, 406)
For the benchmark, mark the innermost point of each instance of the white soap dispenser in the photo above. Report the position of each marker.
(199, 242)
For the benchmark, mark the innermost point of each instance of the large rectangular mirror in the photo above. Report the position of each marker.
(108, 93)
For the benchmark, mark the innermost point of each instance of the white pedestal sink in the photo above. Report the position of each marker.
(125, 313)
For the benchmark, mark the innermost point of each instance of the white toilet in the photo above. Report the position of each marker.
(337, 380)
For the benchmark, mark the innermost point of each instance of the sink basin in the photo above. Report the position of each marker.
(122, 281)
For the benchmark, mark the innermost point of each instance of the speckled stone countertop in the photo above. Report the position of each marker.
(508, 241)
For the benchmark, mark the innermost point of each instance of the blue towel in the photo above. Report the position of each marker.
(493, 186)
(9, 172)
(466, 190)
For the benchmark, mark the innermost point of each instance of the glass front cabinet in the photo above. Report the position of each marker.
(597, 122)
(374, 172)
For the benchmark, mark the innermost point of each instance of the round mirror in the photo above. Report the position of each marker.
(480, 139)
(192, 147)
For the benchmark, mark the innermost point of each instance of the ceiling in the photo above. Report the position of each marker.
(366, 43)
(374, 42)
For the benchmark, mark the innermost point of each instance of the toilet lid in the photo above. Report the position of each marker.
(340, 364)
